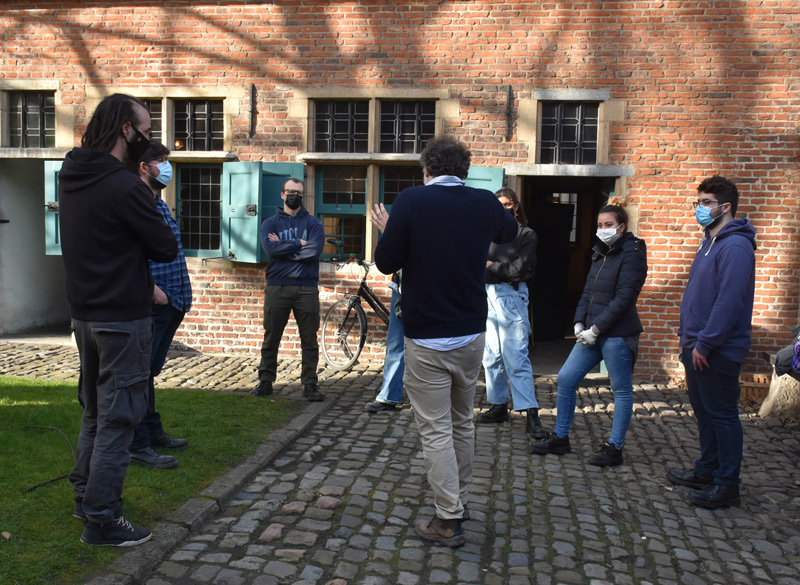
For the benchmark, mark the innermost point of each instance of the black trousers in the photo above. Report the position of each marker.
(303, 302)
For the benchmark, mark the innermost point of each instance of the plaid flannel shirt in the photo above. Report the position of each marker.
(173, 277)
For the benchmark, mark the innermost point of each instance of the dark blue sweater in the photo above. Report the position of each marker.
(440, 236)
(717, 306)
(291, 263)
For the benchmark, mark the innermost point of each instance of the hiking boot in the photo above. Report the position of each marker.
(77, 510)
(552, 444)
(533, 426)
(311, 391)
(149, 457)
(379, 406)
(716, 496)
(607, 456)
(690, 479)
(264, 388)
(444, 532)
(118, 532)
(166, 442)
(498, 413)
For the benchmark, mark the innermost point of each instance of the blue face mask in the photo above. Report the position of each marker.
(164, 173)
(703, 215)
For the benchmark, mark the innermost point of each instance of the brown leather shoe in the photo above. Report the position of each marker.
(444, 532)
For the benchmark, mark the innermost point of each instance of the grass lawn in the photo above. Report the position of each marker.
(39, 538)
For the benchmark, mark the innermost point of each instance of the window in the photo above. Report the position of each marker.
(32, 119)
(395, 179)
(392, 139)
(199, 206)
(569, 133)
(154, 107)
(341, 205)
(406, 126)
(199, 125)
(341, 126)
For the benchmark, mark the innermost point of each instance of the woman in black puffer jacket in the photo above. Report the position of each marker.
(607, 328)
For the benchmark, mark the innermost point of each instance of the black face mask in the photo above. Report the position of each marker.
(294, 200)
(138, 146)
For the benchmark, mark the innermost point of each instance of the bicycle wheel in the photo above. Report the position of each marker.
(344, 331)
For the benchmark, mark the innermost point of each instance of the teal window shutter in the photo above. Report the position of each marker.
(250, 194)
(52, 229)
(488, 178)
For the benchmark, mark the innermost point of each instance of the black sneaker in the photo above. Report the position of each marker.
(552, 444)
(607, 456)
(498, 413)
(264, 388)
(311, 391)
(689, 478)
(166, 442)
(118, 532)
(379, 406)
(149, 457)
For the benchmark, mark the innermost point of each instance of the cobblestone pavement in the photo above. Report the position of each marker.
(335, 503)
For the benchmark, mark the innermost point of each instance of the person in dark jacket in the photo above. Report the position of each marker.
(505, 356)
(110, 228)
(293, 239)
(607, 328)
(439, 235)
(715, 335)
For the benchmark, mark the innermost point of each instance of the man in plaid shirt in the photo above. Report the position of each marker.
(172, 299)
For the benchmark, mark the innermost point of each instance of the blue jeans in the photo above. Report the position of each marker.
(714, 394)
(619, 361)
(114, 359)
(166, 320)
(394, 362)
(505, 355)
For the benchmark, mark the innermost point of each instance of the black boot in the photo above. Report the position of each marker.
(552, 444)
(498, 413)
(716, 496)
(533, 426)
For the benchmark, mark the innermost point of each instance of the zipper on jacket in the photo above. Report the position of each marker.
(594, 284)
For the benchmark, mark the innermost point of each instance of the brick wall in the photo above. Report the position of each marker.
(708, 87)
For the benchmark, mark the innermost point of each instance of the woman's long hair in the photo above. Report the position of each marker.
(519, 213)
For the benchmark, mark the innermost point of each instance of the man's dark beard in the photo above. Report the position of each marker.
(154, 184)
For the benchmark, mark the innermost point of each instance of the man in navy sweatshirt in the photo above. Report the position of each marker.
(439, 235)
(715, 335)
(293, 239)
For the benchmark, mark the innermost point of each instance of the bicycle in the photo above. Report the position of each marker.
(344, 328)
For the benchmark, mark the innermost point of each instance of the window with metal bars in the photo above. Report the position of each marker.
(154, 107)
(569, 133)
(341, 202)
(341, 126)
(395, 179)
(199, 206)
(405, 126)
(32, 119)
(199, 125)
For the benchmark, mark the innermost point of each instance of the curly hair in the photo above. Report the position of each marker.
(445, 155)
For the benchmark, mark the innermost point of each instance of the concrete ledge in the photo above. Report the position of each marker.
(195, 512)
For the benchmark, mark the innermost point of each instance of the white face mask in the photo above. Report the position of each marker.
(608, 235)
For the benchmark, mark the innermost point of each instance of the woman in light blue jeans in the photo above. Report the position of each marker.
(607, 328)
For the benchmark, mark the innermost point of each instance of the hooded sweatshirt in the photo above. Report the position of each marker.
(717, 307)
(290, 262)
(110, 227)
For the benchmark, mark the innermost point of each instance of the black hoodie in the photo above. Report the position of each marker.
(110, 227)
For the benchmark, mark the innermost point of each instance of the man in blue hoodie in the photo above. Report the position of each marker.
(293, 239)
(715, 336)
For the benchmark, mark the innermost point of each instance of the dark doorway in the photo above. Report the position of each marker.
(563, 213)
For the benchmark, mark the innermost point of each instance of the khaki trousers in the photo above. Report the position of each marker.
(441, 388)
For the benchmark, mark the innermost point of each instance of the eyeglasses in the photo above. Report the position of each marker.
(705, 203)
(293, 192)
